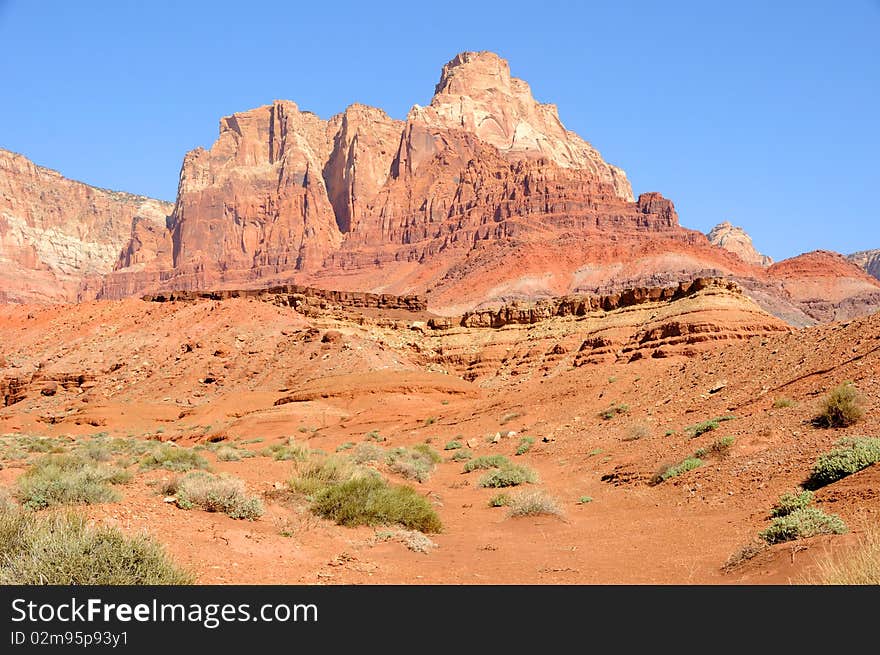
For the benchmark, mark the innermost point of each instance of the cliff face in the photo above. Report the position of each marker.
(482, 175)
(55, 233)
(479, 198)
(869, 260)
(737, 241)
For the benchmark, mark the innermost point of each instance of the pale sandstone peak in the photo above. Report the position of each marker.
(736, 240)
(477, 94)
(869, 260)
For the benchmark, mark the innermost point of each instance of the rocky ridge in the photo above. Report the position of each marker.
(56, 233)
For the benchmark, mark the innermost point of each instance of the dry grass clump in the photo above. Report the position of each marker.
(217, 493)
(63, 549)
(533, 503)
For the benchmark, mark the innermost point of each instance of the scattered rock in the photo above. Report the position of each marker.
(331, 336)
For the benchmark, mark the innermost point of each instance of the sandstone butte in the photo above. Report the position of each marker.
(479, 198)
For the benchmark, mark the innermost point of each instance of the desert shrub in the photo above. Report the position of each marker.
(534, 503)
(507, 418)
(63, 549)
(171, 457)
(287, 451)
(802, 523)
(367, 452)
(486, 462)
(499, 500)
(699, 429)
(217, 493)
(675, 470)
(791, 502)
(411, 463)
(453, 445)
(315, 475)
(68, 479)
(511, 475)
(851, 456)
(840, 408)
(416, 541)
(374, 435)
(372, 501)
(719, 448)
(859, 566)
(232, 454)
(431, 420)
(348, 445)
(613, 410)
(783, 402)
(702, 428)
(428, 453)
(744, 553)
(37, 444)
(462, 455)
(525, 444)
(636, 432)
(583, 500)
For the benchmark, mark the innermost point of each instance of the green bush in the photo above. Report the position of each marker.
(851, 456)
(232, 454)
(486, 462)
(315, 475)
(428, 453)
(373, 435)
(462, 455)
(675, 470)
(372, 501)
(840, 408)
(453, 445)
(702, 428)
(217, 493)
(285, 452)
(499, 500)
(63, 549)
(68, 479)
(348, 445)
(613, 410)
(508, 476)
(171, 457)
(783, 402)
(791, 502)
(525, 445)
(801, 523)
(583, 500)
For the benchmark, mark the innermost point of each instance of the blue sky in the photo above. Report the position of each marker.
(764, 114)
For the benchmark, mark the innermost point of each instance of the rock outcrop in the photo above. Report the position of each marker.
(441, 203)
(480, 198)
(56, 233)
(736, 240)
(869, 260)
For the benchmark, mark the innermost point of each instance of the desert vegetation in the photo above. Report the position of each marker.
(215, 493)
(60, 479)
(850, 456)
(842, 407)
(63, 549)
